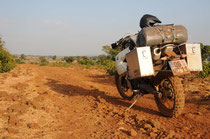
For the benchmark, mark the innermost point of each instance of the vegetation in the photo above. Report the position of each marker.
(22, 57)
(86, 61)
(206, 70)
(19, 61)
(7, 61)
(54, 57)
(69, 59)
(205, 51)
(107, 62)
(43, 61)
(59, 64)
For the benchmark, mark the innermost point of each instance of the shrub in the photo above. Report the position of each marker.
(54, 57)
(43, 61)
(68, 59)
(59, 64)
(19, 61)
(7, 61)
(205, 51)
(87, 61)
(109, 66)
(107, 62)
(22, 57)
(206, 70)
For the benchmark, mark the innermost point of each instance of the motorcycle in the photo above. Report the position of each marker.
(154, 61)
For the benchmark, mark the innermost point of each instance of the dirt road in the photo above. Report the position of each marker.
(57, 102)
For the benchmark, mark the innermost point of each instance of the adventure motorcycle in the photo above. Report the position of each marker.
(153, 61)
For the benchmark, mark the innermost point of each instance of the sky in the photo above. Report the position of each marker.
(79, 27)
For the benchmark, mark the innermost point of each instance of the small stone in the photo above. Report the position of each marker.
(115, 110)
(32, 125)
(142, 130)
(102, 100)
(185, 128)
(153, 135)
(120, 112)
(199, 113)
(36, 105)
(3, 94)
(171, 134)
(154, 123)
(13, 120)
(139, 117)
(99, 123)
(198, 135)
(12, 131)
(154, 130)
(147, 126)
(122, 128)
(126, 117)
(190, 116)
(177, 136)
(116, 133)
(14, 75)
(133, 133)
(120, 122)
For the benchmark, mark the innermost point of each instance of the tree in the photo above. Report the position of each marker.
(205, 51)
(68, 59)
(7, 61)
(110, 52)
(54, 57)
(22, 57)
(107, 61)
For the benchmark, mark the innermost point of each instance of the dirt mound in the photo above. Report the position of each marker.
(58, 102)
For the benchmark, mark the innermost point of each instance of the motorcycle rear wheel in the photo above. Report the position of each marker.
(123, 87)
(171, 89)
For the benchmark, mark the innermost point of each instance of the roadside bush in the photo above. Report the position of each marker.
(19, 61)
(43, 61)
(206, 70)
(59, 64)
(68, 59)
(43, 64)
(54, 57)
(86, 61)
(109, 66)
(205, 51)
(7, 61)
(22, 57)
(107, 62)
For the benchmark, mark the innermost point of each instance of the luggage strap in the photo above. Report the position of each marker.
(163, 34)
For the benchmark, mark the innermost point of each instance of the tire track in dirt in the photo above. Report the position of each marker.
(58, 102)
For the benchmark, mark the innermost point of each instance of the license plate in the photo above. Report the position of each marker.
(179, 67)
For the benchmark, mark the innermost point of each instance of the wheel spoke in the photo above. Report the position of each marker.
(168, 97)
(171, 89)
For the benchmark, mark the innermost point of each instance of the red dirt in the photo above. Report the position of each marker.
(57, 102)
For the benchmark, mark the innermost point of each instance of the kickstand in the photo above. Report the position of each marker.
(137, 98)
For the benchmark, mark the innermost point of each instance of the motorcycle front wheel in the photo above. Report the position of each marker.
(172, 99)
(123, 87)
